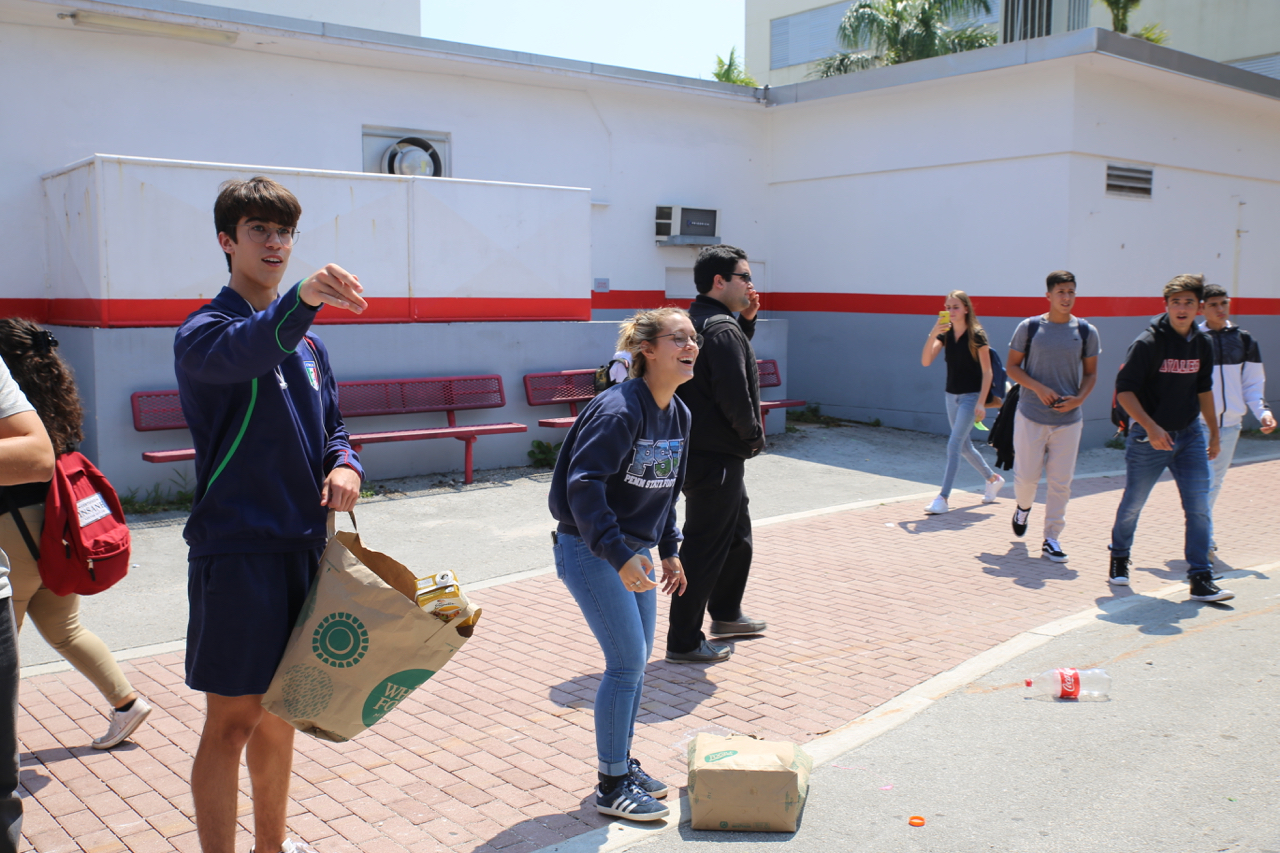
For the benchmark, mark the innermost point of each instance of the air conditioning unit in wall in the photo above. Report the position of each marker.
(686, 226)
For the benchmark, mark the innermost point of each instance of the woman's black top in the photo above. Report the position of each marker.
(964, 372)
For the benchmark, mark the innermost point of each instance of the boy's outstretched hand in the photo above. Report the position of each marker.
(341, 489)
(333, 286)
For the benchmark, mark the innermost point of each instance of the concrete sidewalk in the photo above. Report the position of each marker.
(497, 752)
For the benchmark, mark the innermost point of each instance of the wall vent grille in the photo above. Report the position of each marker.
(1134, 181)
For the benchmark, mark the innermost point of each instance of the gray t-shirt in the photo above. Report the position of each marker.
(12, 402)
(1056, 360)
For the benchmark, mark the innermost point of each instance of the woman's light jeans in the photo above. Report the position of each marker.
(623, 623)
(960, 413)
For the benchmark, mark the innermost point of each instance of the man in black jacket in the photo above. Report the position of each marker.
(1166, 385)
(724, 399)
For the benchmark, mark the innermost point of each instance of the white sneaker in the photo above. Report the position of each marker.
(123, 724)
(992, 490)
(937, 507)
(291, 846)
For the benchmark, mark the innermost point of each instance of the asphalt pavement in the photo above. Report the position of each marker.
(1181, 757)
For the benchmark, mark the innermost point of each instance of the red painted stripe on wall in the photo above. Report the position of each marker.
(136, 313)
(630, 299)
(988, 306)
(133, 313)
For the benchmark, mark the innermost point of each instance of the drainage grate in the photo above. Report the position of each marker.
(1129, 180)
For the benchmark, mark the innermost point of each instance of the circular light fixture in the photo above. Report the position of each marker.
(412, 156)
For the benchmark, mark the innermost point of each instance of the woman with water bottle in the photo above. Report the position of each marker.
(959, 334)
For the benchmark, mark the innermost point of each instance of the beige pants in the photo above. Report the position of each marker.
(57, 617)
(1051, 449)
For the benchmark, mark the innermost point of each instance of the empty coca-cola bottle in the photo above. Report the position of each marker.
(1072, 683)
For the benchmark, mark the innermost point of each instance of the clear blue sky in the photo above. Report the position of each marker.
(671, 36)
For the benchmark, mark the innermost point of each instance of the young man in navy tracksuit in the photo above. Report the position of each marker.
(1166, 386)
(272, 459)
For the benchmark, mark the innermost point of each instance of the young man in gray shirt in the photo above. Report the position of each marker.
(1054, 357)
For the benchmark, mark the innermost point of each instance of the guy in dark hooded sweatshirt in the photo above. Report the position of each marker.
(724, 399)
(1166, 383)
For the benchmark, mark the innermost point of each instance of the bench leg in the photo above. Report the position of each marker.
(470, 442)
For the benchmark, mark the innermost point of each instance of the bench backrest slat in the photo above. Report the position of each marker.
(769, 375)
(561, 386)
(406, 396)
(154, 410)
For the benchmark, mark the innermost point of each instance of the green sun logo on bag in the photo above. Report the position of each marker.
(340, 640)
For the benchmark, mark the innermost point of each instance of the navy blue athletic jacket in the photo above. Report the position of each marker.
(619, 473)
(262, 405)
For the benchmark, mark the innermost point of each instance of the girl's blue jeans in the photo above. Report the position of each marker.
(960, 413)
(623, 623)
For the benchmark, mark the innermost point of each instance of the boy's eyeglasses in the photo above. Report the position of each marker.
(681, 340)
(259, 234)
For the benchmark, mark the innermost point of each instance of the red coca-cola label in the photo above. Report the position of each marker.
(1069, 684)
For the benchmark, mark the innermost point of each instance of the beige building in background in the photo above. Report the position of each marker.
(784, 38)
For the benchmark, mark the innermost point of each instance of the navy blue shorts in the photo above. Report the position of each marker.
(242, 610)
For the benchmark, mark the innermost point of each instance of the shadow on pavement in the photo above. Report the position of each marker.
(671, 691)
(1158, 616)
(1024, 569)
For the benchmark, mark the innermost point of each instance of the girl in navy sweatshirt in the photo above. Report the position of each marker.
(614, 491)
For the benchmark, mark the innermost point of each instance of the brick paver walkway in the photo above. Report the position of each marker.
(497, 752)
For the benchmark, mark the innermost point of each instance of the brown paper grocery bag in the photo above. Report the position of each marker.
(361, 644)
(740, 783)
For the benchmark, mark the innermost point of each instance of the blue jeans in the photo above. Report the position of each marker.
(960, 413)
(623, 623)
(1189, 464)
(1228, 437)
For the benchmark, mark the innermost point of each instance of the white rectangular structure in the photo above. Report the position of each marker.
(134, 238)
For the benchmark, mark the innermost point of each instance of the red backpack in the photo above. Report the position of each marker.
(84, 547)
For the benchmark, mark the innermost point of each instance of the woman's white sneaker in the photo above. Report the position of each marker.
(937, 507)
(993, 489)
(123, 724)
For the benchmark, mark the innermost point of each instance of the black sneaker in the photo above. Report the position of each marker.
(630, 801)
(1020, 517)
(647, 783)
(1119, 571)
(1053, 551)
(1204, 589)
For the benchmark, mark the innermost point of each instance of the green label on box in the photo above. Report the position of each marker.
(384, 698)
(720, 756)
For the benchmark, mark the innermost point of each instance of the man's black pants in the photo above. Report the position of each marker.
(716, 552)
(10, 805)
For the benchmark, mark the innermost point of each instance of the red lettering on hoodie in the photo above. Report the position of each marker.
(1180, 365)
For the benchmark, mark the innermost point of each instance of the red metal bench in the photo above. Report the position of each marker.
(561, 386)
(157, 410)
(771, 378)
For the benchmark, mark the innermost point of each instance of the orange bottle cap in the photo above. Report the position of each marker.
(916, 820)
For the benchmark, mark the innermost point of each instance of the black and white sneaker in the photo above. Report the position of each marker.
(1020, 517)
(1204, 589)
(1119, 571)
(1053, 551)
(647, 783)
(630, 801)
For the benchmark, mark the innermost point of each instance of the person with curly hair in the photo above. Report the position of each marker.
(31, 356)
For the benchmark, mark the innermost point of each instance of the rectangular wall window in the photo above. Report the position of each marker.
(805, 36)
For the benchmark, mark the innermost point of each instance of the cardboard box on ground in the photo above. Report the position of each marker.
(361, 645)
(740, 783)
